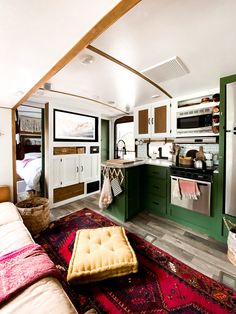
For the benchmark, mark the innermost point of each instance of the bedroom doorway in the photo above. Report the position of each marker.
(29, 152)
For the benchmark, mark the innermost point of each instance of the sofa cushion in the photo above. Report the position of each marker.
(8, 213)
(13, 236)
(43, 297)
(101, 253)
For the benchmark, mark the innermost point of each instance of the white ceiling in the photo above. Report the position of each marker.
(199, 32)
(35, 35)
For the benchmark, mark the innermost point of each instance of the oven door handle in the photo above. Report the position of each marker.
(199, 182)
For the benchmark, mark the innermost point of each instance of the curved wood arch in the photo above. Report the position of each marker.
(109, 57)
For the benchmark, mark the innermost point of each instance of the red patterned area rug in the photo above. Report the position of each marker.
(162, 285)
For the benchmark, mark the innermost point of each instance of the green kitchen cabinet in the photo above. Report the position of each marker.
(127, 204)
(154, 189)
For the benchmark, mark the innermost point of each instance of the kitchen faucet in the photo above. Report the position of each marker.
(122, 150)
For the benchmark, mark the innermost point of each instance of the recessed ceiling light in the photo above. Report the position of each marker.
(39, 92)
(19, 93)
(155, 96)
(86, 59)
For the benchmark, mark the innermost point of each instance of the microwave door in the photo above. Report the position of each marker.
(198, 123)
(187, 123)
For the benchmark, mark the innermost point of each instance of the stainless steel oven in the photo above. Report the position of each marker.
(203, 203)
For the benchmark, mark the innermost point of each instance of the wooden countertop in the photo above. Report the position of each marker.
(128, 163)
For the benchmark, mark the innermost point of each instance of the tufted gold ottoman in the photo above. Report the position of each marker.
(100, 254)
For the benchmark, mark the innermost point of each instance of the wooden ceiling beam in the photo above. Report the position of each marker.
(118, 11)
(86, 98)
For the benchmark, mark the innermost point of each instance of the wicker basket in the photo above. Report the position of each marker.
(35, 213)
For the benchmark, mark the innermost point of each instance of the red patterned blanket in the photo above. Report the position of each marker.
(22, 267)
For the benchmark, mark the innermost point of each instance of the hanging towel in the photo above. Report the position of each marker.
(189, 189)
(116, 188)
(176, 189)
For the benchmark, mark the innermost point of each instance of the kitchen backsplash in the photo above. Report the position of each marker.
(166, 148)
(207, 148)
(153, 148)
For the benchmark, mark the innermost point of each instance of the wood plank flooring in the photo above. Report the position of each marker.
(194, 249)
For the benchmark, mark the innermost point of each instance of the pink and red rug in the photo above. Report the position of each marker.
(162, 285)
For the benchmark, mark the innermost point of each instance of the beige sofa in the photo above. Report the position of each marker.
(46, 296)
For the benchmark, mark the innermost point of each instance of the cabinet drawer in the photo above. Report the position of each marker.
(64, 150)
(155, 171)
(155, 205)
(64, 193)
(155, 186)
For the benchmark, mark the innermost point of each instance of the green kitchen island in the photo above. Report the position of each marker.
(127, 204)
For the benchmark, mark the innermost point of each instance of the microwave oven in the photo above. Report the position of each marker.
(194, 121)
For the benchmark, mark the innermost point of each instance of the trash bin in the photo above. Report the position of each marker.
(35, 213)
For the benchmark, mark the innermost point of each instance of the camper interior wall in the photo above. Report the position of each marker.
(6, 172)
(52, 143)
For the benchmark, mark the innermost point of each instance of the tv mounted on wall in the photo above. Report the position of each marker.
(76, 127)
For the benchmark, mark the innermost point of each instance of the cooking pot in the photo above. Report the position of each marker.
(199, 164)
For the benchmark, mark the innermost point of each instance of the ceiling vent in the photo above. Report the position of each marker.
(166, 70)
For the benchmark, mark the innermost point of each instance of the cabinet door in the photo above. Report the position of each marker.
(142, 121)
(57, 165)
(89, 167)
(160, 120)
(69, 170)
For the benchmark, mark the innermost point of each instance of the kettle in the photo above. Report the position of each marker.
(199, 164)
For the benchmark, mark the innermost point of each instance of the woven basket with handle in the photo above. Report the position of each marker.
(35, 213)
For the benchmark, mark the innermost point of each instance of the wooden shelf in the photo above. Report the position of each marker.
(69, 150)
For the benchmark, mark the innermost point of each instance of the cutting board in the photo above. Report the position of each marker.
(120, 161)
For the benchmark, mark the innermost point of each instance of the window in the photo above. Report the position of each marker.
(124, 131)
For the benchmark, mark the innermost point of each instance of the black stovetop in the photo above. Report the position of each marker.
(184, 168)
(192, 173)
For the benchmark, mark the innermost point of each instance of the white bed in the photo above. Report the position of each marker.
(30, 169)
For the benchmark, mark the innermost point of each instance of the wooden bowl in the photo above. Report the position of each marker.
(186, 162)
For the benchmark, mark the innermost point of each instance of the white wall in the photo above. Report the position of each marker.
(49, 29)
(6, 174)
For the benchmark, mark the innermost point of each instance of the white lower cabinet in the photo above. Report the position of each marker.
(73, 168)
(89, 167)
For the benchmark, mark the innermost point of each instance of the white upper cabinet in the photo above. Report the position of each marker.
(153, 120)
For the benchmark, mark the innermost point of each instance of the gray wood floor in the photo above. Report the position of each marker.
(196, 250)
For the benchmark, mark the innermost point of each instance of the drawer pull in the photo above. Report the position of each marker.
(155, 203)
(155, 172)
(156, 187)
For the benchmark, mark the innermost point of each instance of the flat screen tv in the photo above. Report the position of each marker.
(76, 127)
